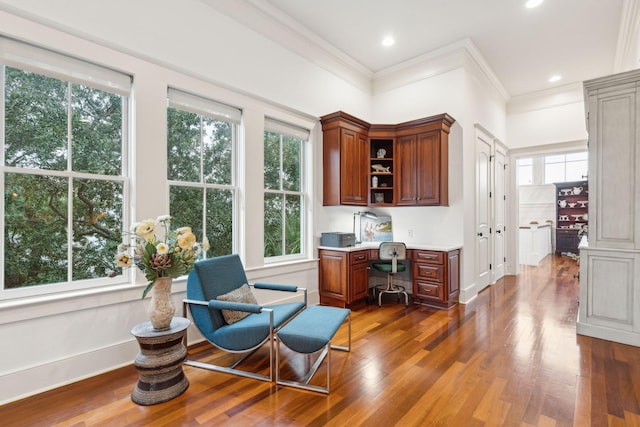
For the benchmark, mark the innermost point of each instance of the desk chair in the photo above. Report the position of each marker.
(391, 251)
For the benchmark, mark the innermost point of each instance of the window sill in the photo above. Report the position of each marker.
(64, 302)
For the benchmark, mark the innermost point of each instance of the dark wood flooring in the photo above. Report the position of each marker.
(509, 358)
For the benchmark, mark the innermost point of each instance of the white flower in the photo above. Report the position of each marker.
(162, 248)
(123, 260)
(146, 229)
(164, 218)
(122, 247)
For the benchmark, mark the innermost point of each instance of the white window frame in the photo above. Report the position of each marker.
(212, 109)
(287, 129)
(42, 61)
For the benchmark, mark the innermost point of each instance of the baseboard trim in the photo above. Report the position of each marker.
(37, 379)
(608, 334)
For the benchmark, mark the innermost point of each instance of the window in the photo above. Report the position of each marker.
(64, 170)
(284, 195)
(201, 153)
(566, 167)
(525, 171)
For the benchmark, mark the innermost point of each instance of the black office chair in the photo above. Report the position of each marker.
(394, 252)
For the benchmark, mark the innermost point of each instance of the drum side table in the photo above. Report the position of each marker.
(160, 362)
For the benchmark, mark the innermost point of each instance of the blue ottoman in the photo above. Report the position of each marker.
(309, 332)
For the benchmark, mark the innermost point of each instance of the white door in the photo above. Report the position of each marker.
(483, 209)
(499, 212)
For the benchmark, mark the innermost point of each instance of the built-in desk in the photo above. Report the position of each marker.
(344, 274)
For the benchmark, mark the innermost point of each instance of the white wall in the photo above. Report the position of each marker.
(549, 117)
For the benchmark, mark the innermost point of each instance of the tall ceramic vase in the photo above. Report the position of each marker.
(161, 308)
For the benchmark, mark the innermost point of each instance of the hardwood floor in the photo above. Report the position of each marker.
(511, 358)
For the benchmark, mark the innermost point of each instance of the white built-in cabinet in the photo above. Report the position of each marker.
(610, 261)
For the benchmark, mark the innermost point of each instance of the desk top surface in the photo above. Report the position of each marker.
(418, 246)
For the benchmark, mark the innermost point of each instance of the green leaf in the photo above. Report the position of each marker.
(147, 289)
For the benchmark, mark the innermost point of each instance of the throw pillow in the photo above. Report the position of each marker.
(241, 294)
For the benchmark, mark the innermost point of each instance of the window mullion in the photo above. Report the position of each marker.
(69, 183)
(284, 224)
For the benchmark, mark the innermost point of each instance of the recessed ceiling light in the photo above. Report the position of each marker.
(533, 3)
(555, 78)
(388, 41)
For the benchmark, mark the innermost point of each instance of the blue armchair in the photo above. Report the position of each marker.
(227, 315)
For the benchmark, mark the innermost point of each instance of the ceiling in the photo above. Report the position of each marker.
(577, 39)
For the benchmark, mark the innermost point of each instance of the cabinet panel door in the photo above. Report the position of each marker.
(406, 194)
(611, 292)
(333, 274)
(613, 159)
(428, 168)
(359, 281)
(353, 168)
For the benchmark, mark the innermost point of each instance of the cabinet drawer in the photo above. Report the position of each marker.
(428, 271)
(430, 290)
(431, 257)
(359, 256)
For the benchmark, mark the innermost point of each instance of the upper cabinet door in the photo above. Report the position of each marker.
(429, 169)
(614, 161)
(354, 170)
(422, 170)
(407, 193)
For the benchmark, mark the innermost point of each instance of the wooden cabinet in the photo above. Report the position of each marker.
(414, 171)
(423, 162)
(572, 219)
(609, 265)
(421, 181)
(567, 241)
(343, 277)
(436, 278)
(613, 117)
(345, 160)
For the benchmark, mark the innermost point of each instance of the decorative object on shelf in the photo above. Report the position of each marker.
(381, 153)
(166, 257)
(379, 168)
(571, 215)
(583, 203)
(379, 197)
(374, 181)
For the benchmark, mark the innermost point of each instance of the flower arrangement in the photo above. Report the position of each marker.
(172, 255)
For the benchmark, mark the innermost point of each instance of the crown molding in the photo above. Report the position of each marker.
(268, 21)
(553, 97)
(628, 46)
(460, 54)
